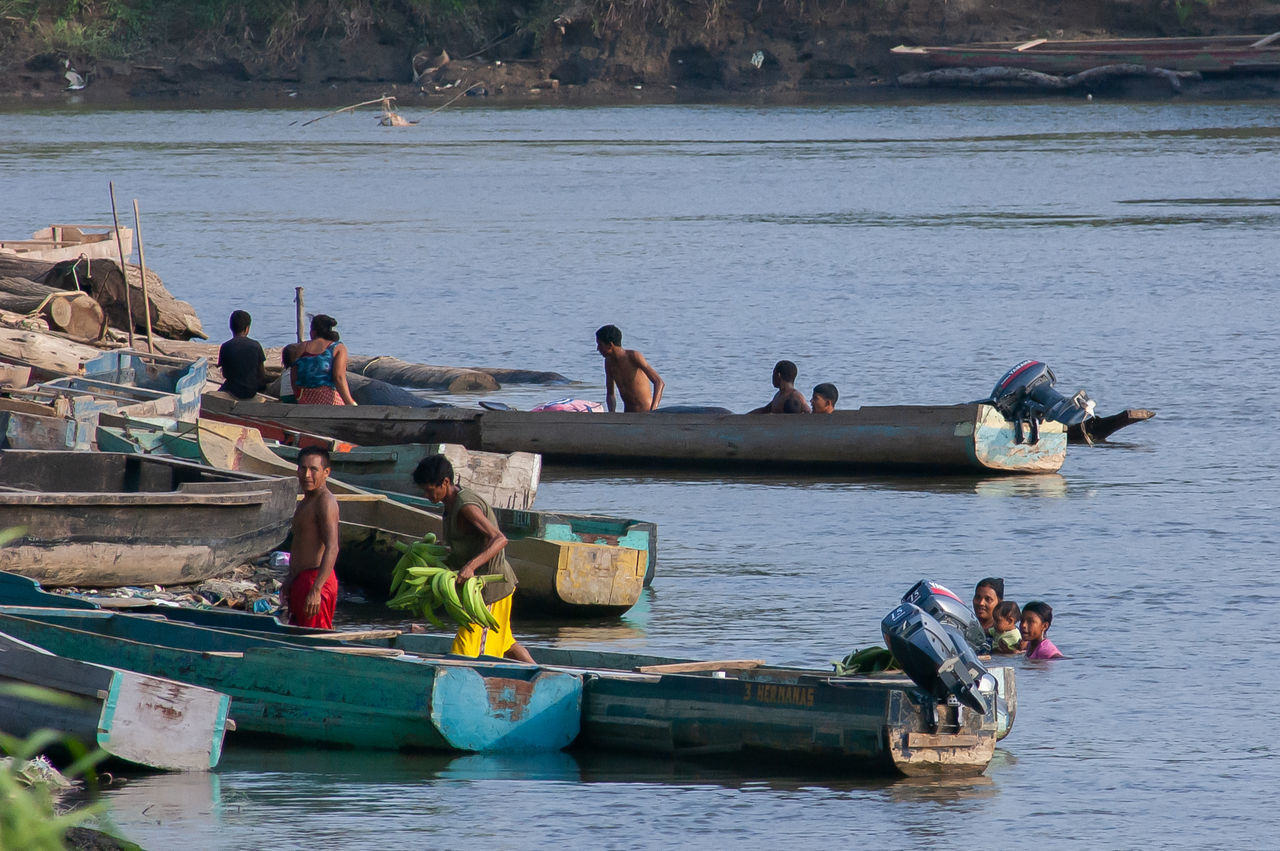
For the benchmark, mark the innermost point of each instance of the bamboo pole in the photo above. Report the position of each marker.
(142, 263)
(297, 298)
(124, 270)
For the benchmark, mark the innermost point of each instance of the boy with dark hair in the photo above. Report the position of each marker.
(242, 360)
(475, 542)
(824, 398)
(638, 384)
(311, 590)
(1004, 633)
(788, 400)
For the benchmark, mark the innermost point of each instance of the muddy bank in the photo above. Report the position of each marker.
(577, 52)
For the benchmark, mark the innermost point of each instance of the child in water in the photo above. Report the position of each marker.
(1005, 637)
(1037, 617)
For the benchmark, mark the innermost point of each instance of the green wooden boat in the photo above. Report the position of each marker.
(335, 695)
(148, 437)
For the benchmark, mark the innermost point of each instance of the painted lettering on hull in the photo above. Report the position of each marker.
(778, 693)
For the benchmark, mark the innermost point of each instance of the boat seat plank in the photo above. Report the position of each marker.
(1027, 45)
(358, 635)
(693, 667)
(1266, 40)
(389, 652)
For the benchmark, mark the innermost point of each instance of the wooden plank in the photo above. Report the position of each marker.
(1266, 40)
(389, 652)
(926, 740)
(1027, 45)
(364, 635)
(693, 667)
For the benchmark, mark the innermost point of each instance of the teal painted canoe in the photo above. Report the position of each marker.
(333, 695)
(142, 720)
(932, 440)
(141, 438)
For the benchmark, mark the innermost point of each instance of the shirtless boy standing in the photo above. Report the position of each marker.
(628, 369)
(788, 400)
(312, 587)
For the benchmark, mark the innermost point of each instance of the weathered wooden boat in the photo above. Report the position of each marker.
(233, 447)
(509, 479)
(144, 720)
(363, 697)
(157, 436)
(555, 577)
(105, 519)
(1207, 55)
(942, 439)
(183, 377)
(67, 242)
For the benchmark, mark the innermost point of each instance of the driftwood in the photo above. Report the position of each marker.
(1098, 429)
(170, 317)
(74, 313)
(451, 378)
(1004, 74)
(45, 351)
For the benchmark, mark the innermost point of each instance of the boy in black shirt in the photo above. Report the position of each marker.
(242, 361)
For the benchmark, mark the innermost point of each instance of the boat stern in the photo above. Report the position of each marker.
(484, 707)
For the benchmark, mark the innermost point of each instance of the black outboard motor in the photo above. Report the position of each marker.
(950, 611)
(1025, 394)
(928, 654)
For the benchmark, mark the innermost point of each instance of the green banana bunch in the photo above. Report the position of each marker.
(421, 583)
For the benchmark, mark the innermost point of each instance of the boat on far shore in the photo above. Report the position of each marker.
(69, 242)
(1204, 54)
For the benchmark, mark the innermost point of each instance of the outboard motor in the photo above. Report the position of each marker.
(950, 611)
(1025, 394)
(928, 654)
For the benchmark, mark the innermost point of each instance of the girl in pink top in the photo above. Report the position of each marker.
(1037, 617)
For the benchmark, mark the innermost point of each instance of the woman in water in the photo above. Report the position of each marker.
(986, 596)
(320, 371)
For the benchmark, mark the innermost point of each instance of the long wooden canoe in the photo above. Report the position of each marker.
(144, 720)
(105, 519)
(232, 447)
(363, 697)
(68, 242)
(1210, 54)
(555, 577)
(941, 439)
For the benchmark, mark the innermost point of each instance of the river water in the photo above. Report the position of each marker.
(909, 254)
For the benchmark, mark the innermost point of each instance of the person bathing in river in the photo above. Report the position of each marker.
(476, 546)
(638, 384)
(241, 359)
(824, 398)
(319, 374)
(788, 400)
(311, 589)
(1005, 637)
(1037, 617)
(986, 597)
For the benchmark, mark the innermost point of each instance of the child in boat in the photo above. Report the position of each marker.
(1037, 617)
(1004, 633)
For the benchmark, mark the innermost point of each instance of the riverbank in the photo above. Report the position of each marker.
(589, 53)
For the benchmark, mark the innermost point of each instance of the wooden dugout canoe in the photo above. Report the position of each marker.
(921, 439)
(67, 242)
(144, 720)
(365, 697)
(105, 519)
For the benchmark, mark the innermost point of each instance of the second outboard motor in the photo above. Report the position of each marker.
(950, 611)
(929, 656)
(1025, 395)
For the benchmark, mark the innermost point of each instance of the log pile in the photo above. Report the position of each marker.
(76, 314)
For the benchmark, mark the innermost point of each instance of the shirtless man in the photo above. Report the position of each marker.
(312, 587)
(824, 398)
(788, 400)
(628, 369)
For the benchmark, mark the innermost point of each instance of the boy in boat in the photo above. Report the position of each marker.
(475, 546)
(311, 591)
(788, 400)
(242, 360)
(1005, 637)
(1037, 617)
(638, 384)
(824, 398)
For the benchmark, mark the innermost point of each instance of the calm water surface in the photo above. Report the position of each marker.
(908, 254)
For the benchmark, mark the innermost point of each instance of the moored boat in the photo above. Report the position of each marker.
(939, 439)
(351, 696)
(143, 720)
(105, 519)
(68, 242)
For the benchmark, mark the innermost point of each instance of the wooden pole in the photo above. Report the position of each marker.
(297, 298)
(142, 263)
(124, 270)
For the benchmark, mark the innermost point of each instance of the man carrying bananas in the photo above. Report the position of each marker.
(475, 542)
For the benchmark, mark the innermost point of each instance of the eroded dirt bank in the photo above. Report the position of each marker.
(333, 53)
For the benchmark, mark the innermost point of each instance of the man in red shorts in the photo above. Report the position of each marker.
(312, 587)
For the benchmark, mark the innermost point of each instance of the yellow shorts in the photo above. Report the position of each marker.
(474, 640)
